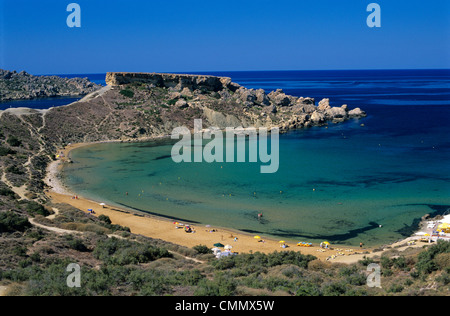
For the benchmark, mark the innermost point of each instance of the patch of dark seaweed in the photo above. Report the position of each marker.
(338, 238)
(163, 157)
(157, 214)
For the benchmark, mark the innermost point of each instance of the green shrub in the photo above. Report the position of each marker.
(356, 279)
(4, 151)
(444, 279)
(78, 245)
(7, 192)
(426, 263)
(202, 249)
(105, 219)
(400, 263)
(14, 170)
(106, 222)
(34, 208)
(386, 263)
(308, 289)
(395, 288)
(13, 141)
(222, 285)
(292, 271)
(127, 93)
(11, 222)
(275, 283)
(335, 289)
(123, 252)
(259, 261)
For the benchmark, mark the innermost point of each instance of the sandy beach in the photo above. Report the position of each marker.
(165, 229)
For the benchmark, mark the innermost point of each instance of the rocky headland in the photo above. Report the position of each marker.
(23, 86)
(140, 106)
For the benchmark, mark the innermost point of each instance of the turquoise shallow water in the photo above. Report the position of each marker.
(338, 184)
(332, 187)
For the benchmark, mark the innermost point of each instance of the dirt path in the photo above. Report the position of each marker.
(56, 230)
(61, 231)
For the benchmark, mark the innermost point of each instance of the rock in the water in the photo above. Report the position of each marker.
(336, 112)
(357, 112)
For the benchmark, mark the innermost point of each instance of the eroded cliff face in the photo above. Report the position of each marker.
(175, 81)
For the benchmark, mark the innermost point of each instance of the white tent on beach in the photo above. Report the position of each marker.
(445, 220)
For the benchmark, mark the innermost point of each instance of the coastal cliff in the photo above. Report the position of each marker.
(175, 81)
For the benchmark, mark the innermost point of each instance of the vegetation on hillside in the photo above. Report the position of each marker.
(33, 261)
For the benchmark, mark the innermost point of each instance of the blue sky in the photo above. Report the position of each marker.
(211, 35)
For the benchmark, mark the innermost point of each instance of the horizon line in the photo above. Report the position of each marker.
(219, 71)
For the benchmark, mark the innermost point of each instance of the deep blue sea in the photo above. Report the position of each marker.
(338, 183)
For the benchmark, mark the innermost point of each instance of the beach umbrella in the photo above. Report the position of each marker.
(282, 242)
(228, 247)
(219, 245)
(257, 237)
(102, 204)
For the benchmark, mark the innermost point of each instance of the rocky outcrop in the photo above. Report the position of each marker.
(221, 95)
(355, 113)
(22, 86)
(176, 82)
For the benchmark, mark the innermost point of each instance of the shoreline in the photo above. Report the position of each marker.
(159, 227)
